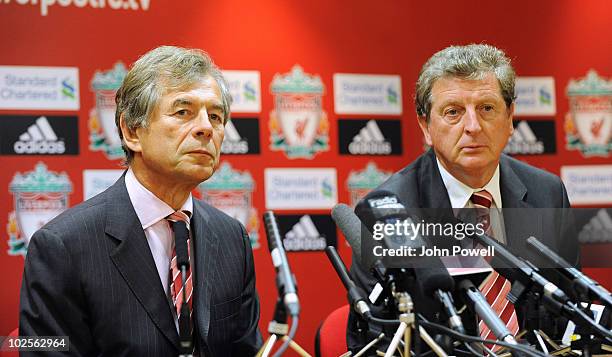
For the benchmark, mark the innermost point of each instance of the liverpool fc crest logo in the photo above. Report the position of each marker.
(231, 191)
(39, 196)
(298, 124)
(360, 183)
(103, 131)
(588, 125)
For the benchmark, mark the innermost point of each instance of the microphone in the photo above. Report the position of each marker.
(393, 227)
(349, 225)
(582, 284)
(437, 283)
(520, 271)
(284, 279)
(478, 303)
(356, 299)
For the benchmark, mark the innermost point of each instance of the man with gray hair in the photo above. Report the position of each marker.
(465, 104)
(109, 272)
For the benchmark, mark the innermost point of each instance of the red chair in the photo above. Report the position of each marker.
(4, 350)
(330, 340)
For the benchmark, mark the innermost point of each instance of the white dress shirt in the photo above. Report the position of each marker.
(151, 212)
(460, 194)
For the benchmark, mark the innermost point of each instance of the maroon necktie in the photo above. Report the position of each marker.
(495, 287)
(176, 283)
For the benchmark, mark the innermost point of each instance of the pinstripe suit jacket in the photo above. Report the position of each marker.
(89, 274)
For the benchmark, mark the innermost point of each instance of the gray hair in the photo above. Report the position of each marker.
(159, 70)
(469, 62)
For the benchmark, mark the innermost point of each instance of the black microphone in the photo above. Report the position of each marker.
(356, 299)
(436, 282)
(520, 270)
(382, 210)
(582, 284)
(474, 299)
(284, 279)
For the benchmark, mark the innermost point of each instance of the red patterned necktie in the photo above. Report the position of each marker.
(495, 288)
(176, 283)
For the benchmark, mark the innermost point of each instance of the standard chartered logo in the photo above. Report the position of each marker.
(68, 88)
(39, 139)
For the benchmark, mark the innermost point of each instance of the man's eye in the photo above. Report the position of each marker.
(215, 117)
(182, 113)
(488, 108)
(452, 112)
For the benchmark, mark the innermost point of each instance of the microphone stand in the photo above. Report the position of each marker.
(407, 325)
(278, 329)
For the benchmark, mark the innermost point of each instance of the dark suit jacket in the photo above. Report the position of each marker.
(89, 274)
(419, 185)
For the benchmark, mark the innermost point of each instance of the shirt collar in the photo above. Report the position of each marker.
(460, 193)
(149, 208)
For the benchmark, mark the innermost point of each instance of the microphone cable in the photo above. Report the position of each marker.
(464, 337)
(294, 325)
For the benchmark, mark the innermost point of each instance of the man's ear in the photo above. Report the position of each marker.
(511, 118)
(130, 138)
(425, 129)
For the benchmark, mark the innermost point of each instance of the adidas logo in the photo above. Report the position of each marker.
(233, 142)
(304, 236)
(39, 139)
(524, 141)
(598, 230)
(370, 140)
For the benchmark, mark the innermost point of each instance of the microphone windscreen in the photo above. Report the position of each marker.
(350, 225)
(434, 278)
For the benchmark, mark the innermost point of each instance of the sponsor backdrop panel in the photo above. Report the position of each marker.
(293, 74)
(532, 137)
(39, 135)
(370, 137)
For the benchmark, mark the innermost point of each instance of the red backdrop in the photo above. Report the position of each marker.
(544, 38)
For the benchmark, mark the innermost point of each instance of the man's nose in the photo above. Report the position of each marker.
(202, 126)
(471, 122)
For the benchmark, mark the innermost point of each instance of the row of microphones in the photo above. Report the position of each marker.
(585, 287)
(436, 283)
(524, 277)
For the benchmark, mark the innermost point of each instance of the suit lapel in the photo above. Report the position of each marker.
(134, 260)
(514, 194)
(433, 193)
(205, 245)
